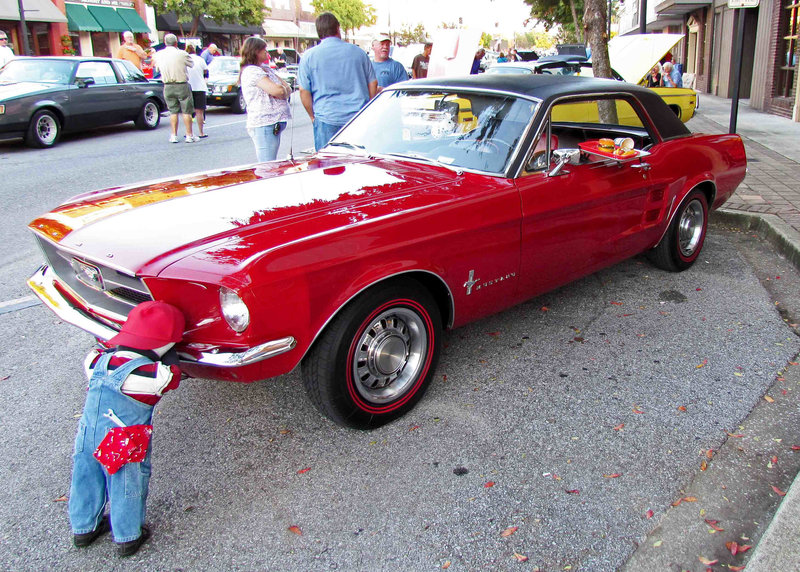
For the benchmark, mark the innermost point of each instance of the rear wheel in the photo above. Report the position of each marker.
(681, 245)
(375, 360)
(149, 116)
(239, 105)
(43, 130)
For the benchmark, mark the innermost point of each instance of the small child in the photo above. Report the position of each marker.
(128, 379)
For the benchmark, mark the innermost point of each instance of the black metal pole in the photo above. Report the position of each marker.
(23, 30)
(737, 69)
(642, 16)
(608, 20)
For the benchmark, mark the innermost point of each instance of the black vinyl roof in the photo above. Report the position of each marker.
(548, 88)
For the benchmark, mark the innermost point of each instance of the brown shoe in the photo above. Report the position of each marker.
(130, 548)
(84, 540)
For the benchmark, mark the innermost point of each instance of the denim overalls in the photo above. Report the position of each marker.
(92, 486)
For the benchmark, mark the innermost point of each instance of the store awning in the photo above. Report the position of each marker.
(35, 11)
(308, 31)
(108, 18)
(680, 7)
(281, 29)
(168, 22)
(134, 21)
(79, 19)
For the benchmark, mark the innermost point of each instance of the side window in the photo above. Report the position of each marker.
(580, 124)
(101, 72)
(130, 73)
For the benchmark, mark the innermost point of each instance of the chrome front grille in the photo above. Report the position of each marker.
(119, 292)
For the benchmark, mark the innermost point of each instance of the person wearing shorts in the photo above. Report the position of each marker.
(173, 65)
(197, 81)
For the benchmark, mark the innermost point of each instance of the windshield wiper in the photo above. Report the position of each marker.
(431, 160)
(346, 144)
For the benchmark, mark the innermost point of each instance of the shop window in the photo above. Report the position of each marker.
(787, 53)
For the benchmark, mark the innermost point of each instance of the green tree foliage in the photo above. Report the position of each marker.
(541, 40)
(408, 35)
(247, 12)
(568, 15)
(352, 14)
(486, 40)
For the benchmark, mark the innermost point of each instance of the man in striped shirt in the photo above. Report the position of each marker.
(124, 385)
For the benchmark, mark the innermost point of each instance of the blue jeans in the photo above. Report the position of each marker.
(267, 141)
(92, 487)
(323, 132)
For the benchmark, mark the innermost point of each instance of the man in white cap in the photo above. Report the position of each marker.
(6, 54)
(387, 70)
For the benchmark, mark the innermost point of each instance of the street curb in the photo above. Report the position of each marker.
(776, 549)
(783, 237)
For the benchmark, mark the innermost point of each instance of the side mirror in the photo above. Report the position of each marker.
(84, 81)
(562, 157)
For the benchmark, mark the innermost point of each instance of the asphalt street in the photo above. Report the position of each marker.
(550, 432)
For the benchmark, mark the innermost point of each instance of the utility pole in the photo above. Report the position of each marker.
(23, 30)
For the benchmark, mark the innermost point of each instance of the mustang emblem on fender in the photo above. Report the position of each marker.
(470, 282)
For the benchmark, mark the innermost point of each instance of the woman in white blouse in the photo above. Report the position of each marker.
(267, 97)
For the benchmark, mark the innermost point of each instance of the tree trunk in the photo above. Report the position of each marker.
(578, 31)
(195, 26)
(594, 19)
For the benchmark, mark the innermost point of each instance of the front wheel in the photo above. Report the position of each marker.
(43, 130)
(239, 104)
(375, 360)
(681, 245)
(149, 116)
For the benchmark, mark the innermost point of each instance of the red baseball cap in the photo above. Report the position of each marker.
(150, 325)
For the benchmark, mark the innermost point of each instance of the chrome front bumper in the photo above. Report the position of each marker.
(42, 284)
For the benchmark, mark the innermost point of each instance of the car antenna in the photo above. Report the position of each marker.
(297, 63)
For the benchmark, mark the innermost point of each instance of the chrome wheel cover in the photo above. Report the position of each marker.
(150, 114)
(46, 129)
(690, 228)
(390, 355)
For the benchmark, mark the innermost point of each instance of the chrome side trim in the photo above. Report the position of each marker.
(252, 355)
(43, 286)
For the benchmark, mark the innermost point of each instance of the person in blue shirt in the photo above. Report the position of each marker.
(336, 80)
(476, 62)
(387, 70)
(671, 76)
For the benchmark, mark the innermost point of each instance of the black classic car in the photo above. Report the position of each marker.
(43, 97)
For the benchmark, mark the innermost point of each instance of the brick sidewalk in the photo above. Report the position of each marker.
(772, 184)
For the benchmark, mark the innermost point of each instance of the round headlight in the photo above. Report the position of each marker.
(234, 310)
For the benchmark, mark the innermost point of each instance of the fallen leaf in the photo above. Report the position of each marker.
(446, 565)
(62, 498)
(616, 303)
(713, 524)
(736, 435)
(612, 475)
(649, 514)
(795, 447)
(493, 333)
(681, 408)
(778, 491)
(706, 561)
(414, 428)
(544, 309)
(572, 491)
(774, 460)
(658, 543)
(509, 531)
(520, 557)
(736, 568)
(703, 466)
(768, 399)
(621, 425)
(677, 502)
(702, 364)
(295, 530)
(710, 453)
(733, 547)
(637, 410)
(690, 499)
(489, 485)
(744, 548)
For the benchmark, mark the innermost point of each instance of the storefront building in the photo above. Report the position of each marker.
(290, 25)
(770, 51)
(95, 29)
(44, 21)
(227, 36)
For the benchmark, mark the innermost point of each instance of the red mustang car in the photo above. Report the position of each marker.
(443, 201)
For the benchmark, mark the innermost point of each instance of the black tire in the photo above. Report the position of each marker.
(682, 243)
(44, 130)
(239, 105)
(375, 360)
(149, 116)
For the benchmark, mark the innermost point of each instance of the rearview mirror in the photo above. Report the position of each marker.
(84, 81)
(562, 157)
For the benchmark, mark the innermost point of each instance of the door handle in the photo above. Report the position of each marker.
(642, 166)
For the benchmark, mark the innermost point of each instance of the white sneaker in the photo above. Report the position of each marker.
(173, 138)
(190, 139)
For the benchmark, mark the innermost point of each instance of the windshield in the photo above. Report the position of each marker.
(223, 66)
(458, 129)
(37, 70)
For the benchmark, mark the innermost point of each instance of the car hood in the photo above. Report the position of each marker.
(633, 56)
(21, 89)
(143, 229)
(223, 78)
